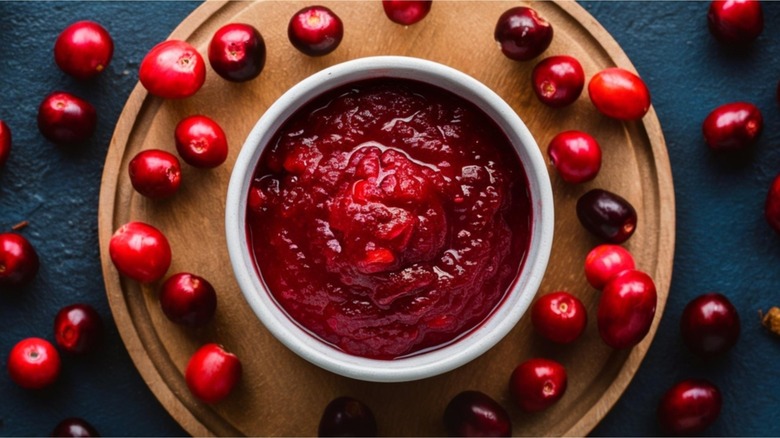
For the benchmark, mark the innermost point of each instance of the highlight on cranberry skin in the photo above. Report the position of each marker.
(74, 427)
(172, 69)
(558, 80)
(65, 119)
(315, 31)
(537, 384)
(735, 22)
(212, 373)
(140, 251)
(733, 127)
(772, 205)
(689, 407)
(201, 142)
(619, 94)
(237, 52)
(83, 49)
(406, 12)
(34, 363)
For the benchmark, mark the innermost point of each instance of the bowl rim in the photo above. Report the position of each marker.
(474, 342)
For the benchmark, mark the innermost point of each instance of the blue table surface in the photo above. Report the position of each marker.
(723, 242)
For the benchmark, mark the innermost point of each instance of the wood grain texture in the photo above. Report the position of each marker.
(281, 394)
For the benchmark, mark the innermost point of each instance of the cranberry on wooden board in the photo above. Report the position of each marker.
(558, 80)
(522, 33)
(74, 427)
(733, 126)
(607, 215)
(5, 143)
(19, 262)
(172, 69)
(710, 324)
(201, 142)
(140, 251)
(188, 299)
(65, 119)
(619, 93)
(237, 52)
(575, 155)
(406, 12)
(315, 30)
(537, 384)
(626, 309)
(606, 261)
(559, 316)
(772, 205)
(155, 173)
(78, 328)
(735, 22)
(689, 407)
(212, 373)
(34, 363)
(474, 414)
(346, 416)
(83, 49)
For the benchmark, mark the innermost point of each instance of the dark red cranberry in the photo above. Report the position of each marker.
(187, 299)
(710, 324)
(201, 142)
(522, 33)
(605, 262)
(315, 30)
(733, 126)
(559, 316)
(155, 173)
(65, 119)
(689, 407)
(619, 94)
(735, 22)
(83, 49)
(18, 261)
(346, 416)
(74, 427)
(537, 384)
(140, 251)
(772, 205)
(406, 12)
(626, 309)
(558, 80)
(237, 52)
(475, 414)
(575, 155)
(78, 328)
(607, 215)
(5, 143)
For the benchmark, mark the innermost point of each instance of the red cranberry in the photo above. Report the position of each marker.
(475, 414)
(78, 328)
(201, 142)
(406, 12)
(74, 427)
(237, 52)
(735, 22)
(607, 215)
(559, 316)
(619, 94)
(65, 119)
(140, 251)
(172, 69)
(83, 49)
(710, 324)
(155, 173)
(537, 384)
(5, 143)
(772, 205)
(34, 363)
(606, 261)
(558, 80)
(212, 373)
(187, 299)
(626, 309)
(346, 416)
(689, 407)
(522, 33)
(575, 155)
(18, 261)
(315, 30)
(733, 126)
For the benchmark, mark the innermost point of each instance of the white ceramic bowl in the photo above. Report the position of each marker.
(436, 361)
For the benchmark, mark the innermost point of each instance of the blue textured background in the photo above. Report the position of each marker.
(723, 242)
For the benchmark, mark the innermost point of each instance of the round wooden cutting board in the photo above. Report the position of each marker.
(281, 394)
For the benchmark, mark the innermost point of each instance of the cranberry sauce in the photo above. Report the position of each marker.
(389, 217)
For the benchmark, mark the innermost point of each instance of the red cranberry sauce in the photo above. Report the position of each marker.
(389, 217)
